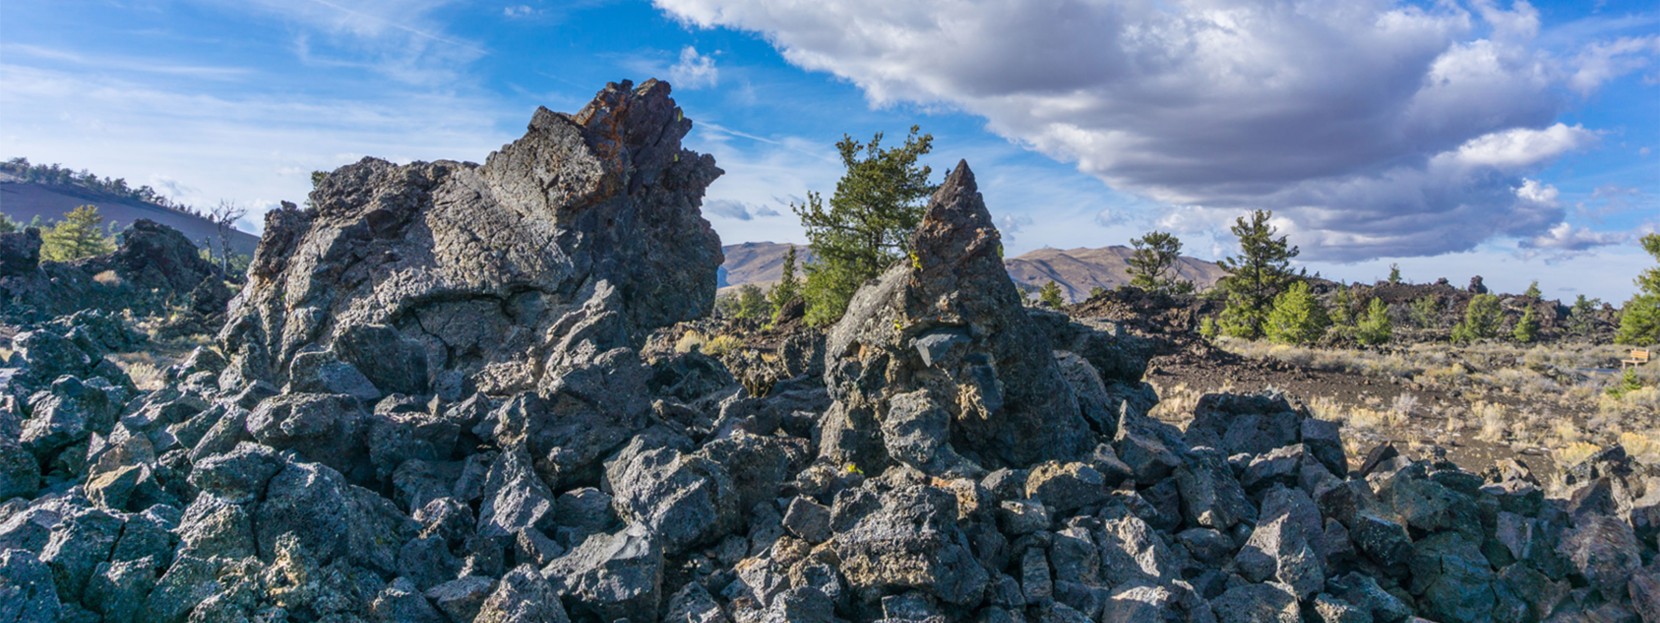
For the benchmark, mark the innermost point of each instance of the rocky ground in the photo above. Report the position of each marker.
(458, 392)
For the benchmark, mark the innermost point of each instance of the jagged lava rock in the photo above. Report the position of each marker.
(412, 272)
(936, 364)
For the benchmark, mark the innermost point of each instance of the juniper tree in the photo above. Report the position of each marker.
(1640, 316)
(1152, 264)
(866, 225)
(1256, 276)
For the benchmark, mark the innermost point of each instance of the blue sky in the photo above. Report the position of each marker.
(1516, 141)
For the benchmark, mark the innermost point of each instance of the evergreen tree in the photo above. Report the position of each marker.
(1481, 319)
(787, 288)
(751, 304)
(1640, 316)
(1394, 273)
(1256, 276)
(1527, 328)
(1533, 290)
(1581, 317)
(1152, 264)
(1375, 328)
(80, 234)
(7, 225)
(1297, 317)
(866, 225)
(1050, 295)
(1345, 308)
(1426, 312)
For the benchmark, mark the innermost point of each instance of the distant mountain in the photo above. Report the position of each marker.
(1080, 270)
(759, 263)
(22, 201)
(1076, 270)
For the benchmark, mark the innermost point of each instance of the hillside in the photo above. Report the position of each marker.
(23, 201)
(1076, 270)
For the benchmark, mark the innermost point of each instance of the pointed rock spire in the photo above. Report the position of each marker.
(968, 382)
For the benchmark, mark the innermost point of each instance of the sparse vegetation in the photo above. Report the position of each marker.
(866, 225)
(7, 225)
(1425, 312)
(1394, 273)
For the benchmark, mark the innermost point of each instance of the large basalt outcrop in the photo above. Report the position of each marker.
(937, 364)
(455, 275)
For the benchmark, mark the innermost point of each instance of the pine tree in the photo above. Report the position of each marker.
(1533, 290)
(1152, 264)
(1050, 295)
(752, 304)
(1581, 317)
(1345, 308)
(80, 234)
(1256, 276)
(787, 288)
(1527, 328)
(7, 225)
(1426, 312)
(1394, 273)
(866, 225)
(1297, 317)
(1640, 316)
(1481, 319)
(1375, 328)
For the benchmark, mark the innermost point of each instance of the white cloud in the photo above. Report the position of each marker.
(400, 39)
(694, 71)
(1375, 128)
(1519, 148)
(200, 148)
(518, 11)
(1565, 238)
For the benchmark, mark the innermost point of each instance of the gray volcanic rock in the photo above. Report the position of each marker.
(950, 325)
(154, 268)
(20, 252)
(484, 270)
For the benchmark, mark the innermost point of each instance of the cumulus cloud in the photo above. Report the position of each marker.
(694, 71)
(1376, 128)
(1565, 238)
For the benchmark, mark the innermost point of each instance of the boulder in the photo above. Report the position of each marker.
(20, 252)
(950, 324)
(684, 499)
(612, 576)
(907, 538)
(410, 273)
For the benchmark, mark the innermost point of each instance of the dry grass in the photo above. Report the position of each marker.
(108, 278)
(147, 372)
(1549, 396)
(716, 346)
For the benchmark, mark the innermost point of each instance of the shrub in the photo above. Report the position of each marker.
(1297, 317)
(1481, 319)
(80, 234)
(1375, 328)
(1426, 312)
(1527, 328)
(1050, 295)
